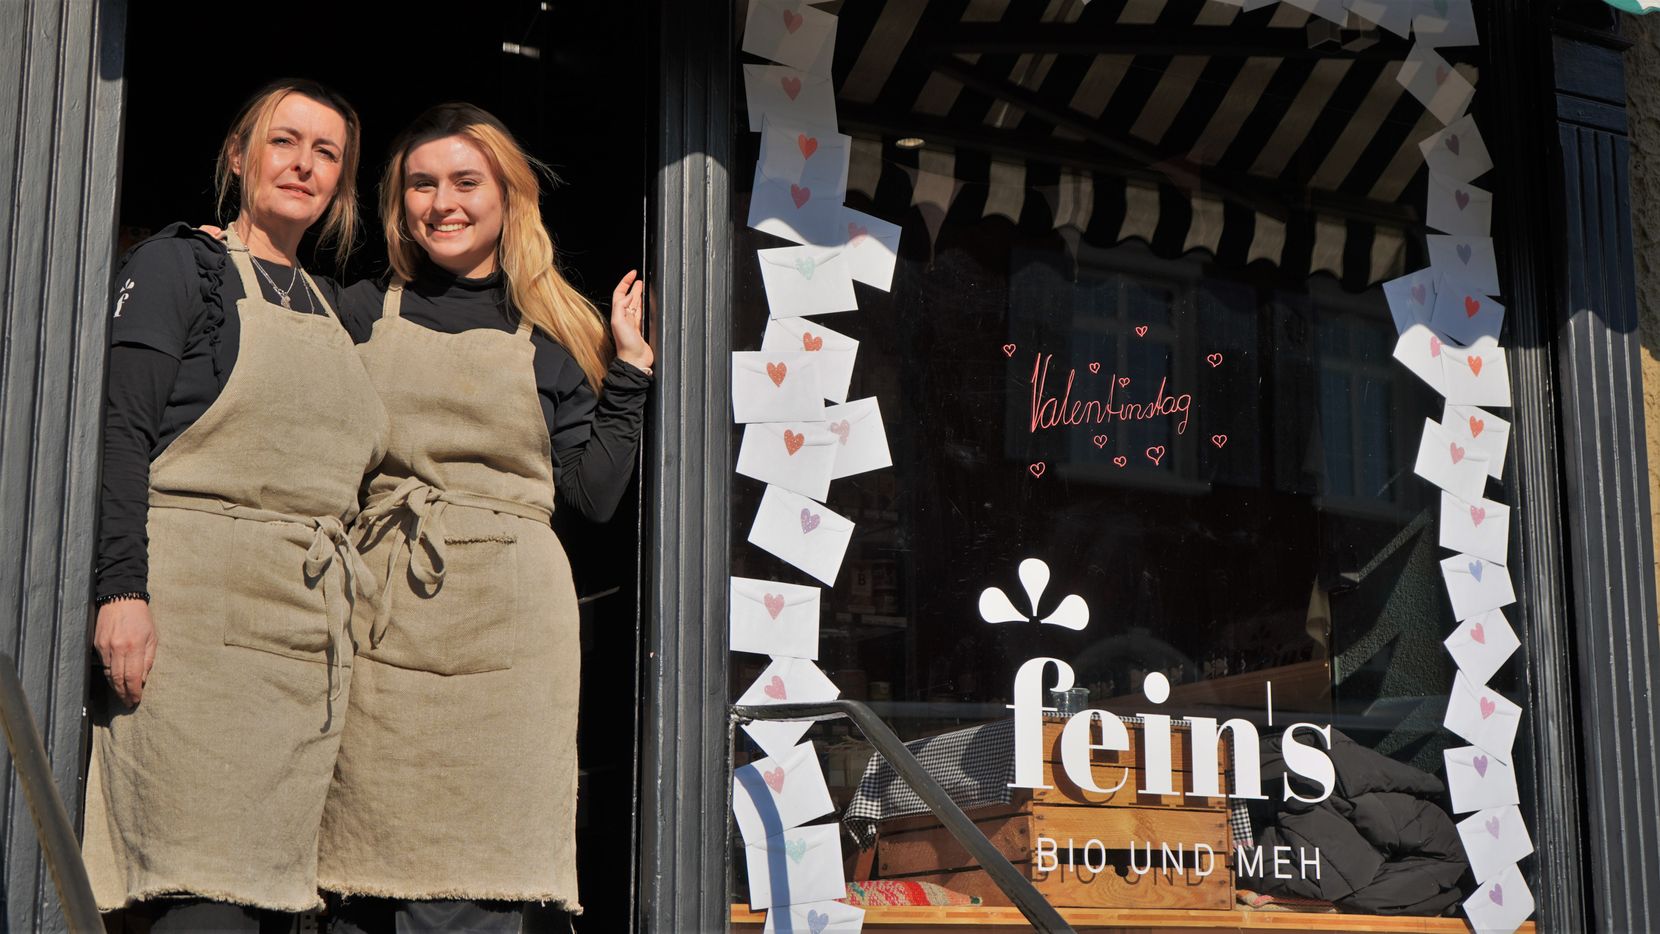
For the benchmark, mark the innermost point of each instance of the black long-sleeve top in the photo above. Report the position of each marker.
(173, 346)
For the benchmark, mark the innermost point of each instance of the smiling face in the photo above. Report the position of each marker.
(291, 175)
(453, 204)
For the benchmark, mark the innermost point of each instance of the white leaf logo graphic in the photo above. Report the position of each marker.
(996, 607)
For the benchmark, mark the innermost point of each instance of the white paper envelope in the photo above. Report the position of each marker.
(1445, 24)
(815, 918)
(1479, 527)
(813, 156)
(1483, 717)
(806, 280)
(788, 95)
(1450, 465)
(1459, 208)
(1502, 905)
(1411, 298)
(1476, 585)
(776, 387)
(1464, 314)
(836, 351)
(785, 681)
(773, 618)
(1458, 152)
(1419, 349)
(800, 865)
(773, 795)
(862, 441)
(1465, 259)
(1437, 85)
(872, 248)
(1393, 15)
(1478, 374)
(792, 34)
(1482, 432)
(796, 212)
(798, 456)
(1482, 644)
(801, 532)
(1477, 781)
(1494, 840)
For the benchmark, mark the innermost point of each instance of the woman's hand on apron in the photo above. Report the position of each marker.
(125, 638)
(627, 313)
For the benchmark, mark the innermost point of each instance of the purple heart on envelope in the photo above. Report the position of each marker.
(1480, 762)
(817, 921)
(1464, 253)
(1497, 894)
(809, 521)
(1452, 143)
(1463, 199)
(1475, 570)
(1493, 827)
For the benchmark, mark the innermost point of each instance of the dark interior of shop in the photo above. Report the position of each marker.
(571, 80)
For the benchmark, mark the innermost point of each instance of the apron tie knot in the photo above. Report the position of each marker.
(330, 541)
(418, 540)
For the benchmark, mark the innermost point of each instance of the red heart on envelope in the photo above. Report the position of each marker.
(1471, 306)
(800, 195)
(791, 85)
(1475, 364)
(775, 779)
(809, 342)
(775, 604)
(793, 441)
(777, 372)
(1476, 425)
(808, 144)
(792, 20)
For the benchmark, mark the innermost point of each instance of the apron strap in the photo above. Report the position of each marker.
(525, 326)
(244, 265)
(394, 299)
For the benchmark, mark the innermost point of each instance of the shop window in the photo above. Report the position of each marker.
(1136, 333)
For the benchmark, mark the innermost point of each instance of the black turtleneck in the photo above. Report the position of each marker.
(595, 438)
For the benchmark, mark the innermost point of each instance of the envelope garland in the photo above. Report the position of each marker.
(798, 446)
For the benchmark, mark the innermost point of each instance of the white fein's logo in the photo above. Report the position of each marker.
(126, 290)
(996, 607)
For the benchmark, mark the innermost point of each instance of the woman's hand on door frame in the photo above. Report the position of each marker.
(627, 316)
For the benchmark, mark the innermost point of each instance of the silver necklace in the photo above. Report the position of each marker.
(282, 293)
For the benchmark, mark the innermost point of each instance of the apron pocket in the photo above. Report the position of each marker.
(270, 605)
(470, 622)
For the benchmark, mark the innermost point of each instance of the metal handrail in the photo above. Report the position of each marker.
(1025, 896)
(52, 826)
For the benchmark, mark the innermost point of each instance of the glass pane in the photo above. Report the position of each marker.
(1136, 370)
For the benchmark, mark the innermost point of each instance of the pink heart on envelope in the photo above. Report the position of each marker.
(792, 20)
(800, 195)
(1487, 708)
(1456, 452)
(809, 521)
(775, 604)
(775, 689)
(841, 430)
(1478, 634)
(775, 779)
(791, 85)
(1477, 513)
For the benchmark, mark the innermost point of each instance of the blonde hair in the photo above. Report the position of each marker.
(247, 136)
(525, 251)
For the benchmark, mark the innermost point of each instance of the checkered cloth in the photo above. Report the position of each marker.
(974, 766)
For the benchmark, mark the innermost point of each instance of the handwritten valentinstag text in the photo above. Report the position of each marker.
(1049, 411)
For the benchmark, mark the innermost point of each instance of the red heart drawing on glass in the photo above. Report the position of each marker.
(1100, 441)
(1478, 634)
(1487, 708)
(856, 234)
(841, 430)
(1476, 425)
(1478, 514)
(774, 602)
(792, 20)
(1219, 440)
(775, 779)
(1008, 350)
(1123, 381)
(791, 85)
(1215, 360)
(809, 342)
(1155, 454)
(775, 688)
(1038, 468)
(1475, 364)
(800, 195)
(1419, 294)
(1120, 461)
(1141, 330)
(1463, 199)
(809, 520)
(1471, 306)
(808, 144)
(793, 441)
(1095, 367)
(1434, 346)
(777, 371)
(1456, 451)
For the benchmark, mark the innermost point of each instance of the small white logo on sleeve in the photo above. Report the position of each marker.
(126, 289)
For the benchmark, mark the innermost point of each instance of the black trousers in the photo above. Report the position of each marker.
(200, 916)
(396, 916)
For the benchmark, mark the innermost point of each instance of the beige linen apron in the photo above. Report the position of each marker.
(214, 784)
(457, 770)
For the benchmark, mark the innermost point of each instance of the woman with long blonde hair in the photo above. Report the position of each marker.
(454, 798)
(239, 423)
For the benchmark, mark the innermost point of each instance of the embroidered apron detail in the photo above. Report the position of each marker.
(456, 776)
(213, 786)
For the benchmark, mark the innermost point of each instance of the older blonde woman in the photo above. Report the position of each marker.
(455, 793)
(239, 424)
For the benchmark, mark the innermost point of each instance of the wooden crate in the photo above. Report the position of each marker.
(1100, 828)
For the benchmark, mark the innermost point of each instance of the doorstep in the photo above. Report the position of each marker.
(953, 919)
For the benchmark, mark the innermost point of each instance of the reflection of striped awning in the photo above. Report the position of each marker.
(1269, 135)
